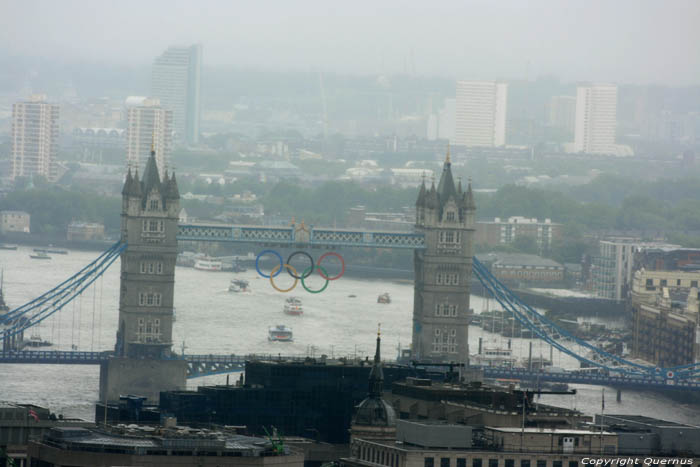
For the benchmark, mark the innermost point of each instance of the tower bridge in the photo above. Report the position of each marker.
(143, 361)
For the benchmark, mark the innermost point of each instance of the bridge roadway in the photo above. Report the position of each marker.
(207, 365)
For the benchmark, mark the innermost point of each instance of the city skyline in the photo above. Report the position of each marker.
(510, 43)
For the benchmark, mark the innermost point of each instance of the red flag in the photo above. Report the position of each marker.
(34, 415)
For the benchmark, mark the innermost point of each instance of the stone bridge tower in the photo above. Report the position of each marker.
(443, 270)
(143, 363)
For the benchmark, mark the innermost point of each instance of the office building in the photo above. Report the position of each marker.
(612, 269)
(176, 82)
(562, 113)
(34, 138)
(148, 124)
(596, 119)
(446, 120)
(481, 113)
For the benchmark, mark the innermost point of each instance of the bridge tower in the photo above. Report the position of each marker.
(143, 364)
(443, 270)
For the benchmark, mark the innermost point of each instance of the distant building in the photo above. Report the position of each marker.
(596, 121)
(14, 221)
(90, 143)
(504, 231)
(562, 113)
(85, 231)
(148, 125)
(175, 81)
(611, 270)
(481, 113)
(34, 138)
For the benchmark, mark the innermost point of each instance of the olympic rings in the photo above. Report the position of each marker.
(311, 268)
(293, 272)
(288, 267)
(322, 275)
(257, 263)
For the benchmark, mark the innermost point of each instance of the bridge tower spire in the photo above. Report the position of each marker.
(143, 350)
(445, 215)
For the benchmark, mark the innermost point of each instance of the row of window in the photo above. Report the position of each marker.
(664, 283)
(379, 456)
(153, 226)
(151, 267)
(445, 309)
(148, 330)
(150, 299)
(446, 278)
(449, 237)
(478, 462)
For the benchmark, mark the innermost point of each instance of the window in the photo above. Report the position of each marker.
(160, 268)
(444, 462)
(556, 464)
(154, 204)
(678, 282)
(143, 267)
(451, 216)
(461, 462)
(428, 462)
(493, 462)
(541, 463)
(663, 282)
(694, 284)
(151, 268)
(476, 462)
(524, 462)
(511, 463)
(573, 463)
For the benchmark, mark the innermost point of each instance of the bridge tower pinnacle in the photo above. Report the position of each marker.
(143, 363)
(445, 215)
(150, 210)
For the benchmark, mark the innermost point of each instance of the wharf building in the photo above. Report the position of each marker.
(665, 316)
(176, 76)
(445, 215)
(34, 138)
(143, 362)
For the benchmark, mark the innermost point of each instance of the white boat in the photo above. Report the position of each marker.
(279, 333)
(384, 298)
(494, 356)
(238, 285)
(208, 264)
(292, 306)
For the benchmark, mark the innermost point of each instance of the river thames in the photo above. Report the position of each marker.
(211, 320)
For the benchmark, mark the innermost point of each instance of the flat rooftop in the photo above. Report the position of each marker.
(655, 422)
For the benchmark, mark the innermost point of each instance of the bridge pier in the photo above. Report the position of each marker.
(141, 377)
(619, 395)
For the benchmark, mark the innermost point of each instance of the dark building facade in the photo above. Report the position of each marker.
(312, 399)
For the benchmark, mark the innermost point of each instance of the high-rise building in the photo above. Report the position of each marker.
(34, 138)
(148, 124)
(562, 113)
(446, 121)
(176, 82)
(481, 113)
(596, 119)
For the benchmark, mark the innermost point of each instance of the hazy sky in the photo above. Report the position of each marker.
(632, 41)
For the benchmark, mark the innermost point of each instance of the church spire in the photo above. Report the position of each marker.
(376, 375)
